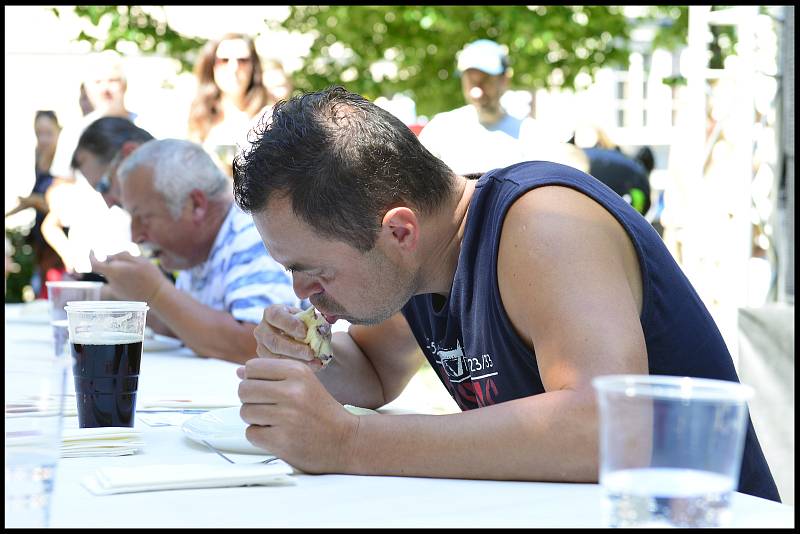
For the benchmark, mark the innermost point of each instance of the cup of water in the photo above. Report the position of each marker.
(58, 294)
(670, 449)
(34, 411)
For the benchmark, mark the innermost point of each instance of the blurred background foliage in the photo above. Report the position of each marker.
(383, 50)
(548, 45)
(148, 29)
(18, 287)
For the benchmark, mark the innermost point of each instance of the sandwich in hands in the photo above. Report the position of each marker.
(318, 334)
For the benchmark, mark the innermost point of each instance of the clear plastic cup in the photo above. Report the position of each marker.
(58, 294)
(670, 449)
(34, 393)
(106, 340)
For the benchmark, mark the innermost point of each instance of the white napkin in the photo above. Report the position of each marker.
(110, 480)
(104, 441)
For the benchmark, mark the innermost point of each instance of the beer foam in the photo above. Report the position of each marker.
(106, 338)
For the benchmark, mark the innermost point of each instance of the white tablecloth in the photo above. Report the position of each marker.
(316, 500)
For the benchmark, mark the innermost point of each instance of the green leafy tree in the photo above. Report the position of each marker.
(18, 283)
(416, 45)
(548, 45)
(148, 29)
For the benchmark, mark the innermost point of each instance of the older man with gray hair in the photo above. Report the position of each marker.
(182, 209)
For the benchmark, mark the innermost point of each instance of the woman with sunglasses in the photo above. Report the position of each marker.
(230, 93)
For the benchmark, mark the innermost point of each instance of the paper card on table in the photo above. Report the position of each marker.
(171, 418)
(111, 480)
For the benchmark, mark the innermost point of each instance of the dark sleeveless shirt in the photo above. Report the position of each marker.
(468, 338)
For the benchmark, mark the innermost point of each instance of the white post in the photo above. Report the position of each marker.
(744, 131)
(689, 148)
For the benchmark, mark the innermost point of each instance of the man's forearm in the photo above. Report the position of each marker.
(206, 331)
(159, 326)
(350, 378)
(548, 437)
(54, 235)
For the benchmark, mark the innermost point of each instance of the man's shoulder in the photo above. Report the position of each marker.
(447, 118)
(534, 129)
(239, 245)
(439, 131)
(237, 233)
(241, 221)
(550, 217)
(464, 112)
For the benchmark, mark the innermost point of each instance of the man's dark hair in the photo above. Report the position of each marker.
(105, 136)
(343, 162)
(646, 157)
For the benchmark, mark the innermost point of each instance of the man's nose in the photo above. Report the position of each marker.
(111, 200)
(138, 234)
(476, 92)
(304, 286)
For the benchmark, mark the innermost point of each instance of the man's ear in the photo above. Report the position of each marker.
(199, 205)
(401, 225)
(505, 80)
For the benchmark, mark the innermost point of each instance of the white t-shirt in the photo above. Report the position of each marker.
(92, 224)
(228, 138)
(467, 146)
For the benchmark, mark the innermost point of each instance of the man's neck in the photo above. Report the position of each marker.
(233, 103)
(442, 251)
(490, 117)
(113, 110)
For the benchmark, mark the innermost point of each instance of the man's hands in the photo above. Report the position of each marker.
(280, 335)
(293, 416)
(290, 412)
(130, 277)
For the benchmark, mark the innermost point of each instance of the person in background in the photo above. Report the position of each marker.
(626, 176)
(230, 94)
(629, 177)
(102, 147)
(519, 288)
(47, 264)
(278, 83)
(105, 85)
(81, 209)
(85, 214)
(481, 135)
(182, 210)
(83, 101)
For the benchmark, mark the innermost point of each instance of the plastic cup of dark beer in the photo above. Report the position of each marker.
(106, 340)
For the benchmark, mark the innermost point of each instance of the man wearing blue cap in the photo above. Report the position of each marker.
(481, 135)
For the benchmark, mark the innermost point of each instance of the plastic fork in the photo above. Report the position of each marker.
(268, 460)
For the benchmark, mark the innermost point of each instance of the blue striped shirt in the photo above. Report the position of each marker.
(239, 276)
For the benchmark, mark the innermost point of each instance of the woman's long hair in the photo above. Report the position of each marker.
(206, 111)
